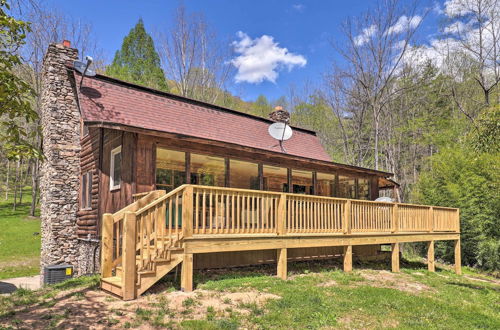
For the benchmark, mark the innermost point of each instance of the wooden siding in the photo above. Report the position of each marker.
(111, 201)
(87, 219)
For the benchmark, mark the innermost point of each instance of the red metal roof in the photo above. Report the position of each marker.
(103, 99)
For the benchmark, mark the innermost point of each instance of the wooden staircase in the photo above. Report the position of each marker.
(142, 243)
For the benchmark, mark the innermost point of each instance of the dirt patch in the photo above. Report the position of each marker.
(482, 279)
(402, 282)
(74, 308)
(328, 284)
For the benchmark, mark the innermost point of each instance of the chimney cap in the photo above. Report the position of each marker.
(66, 43)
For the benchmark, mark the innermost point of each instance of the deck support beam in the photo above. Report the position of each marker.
(282, 263)
(187, 273)
(348, 258)
(129, 255)
(458, 257)
(431, 265)
(395, 257)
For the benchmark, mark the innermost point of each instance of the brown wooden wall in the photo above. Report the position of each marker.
(246, 258)
(138, 167)
(112, 201)
(87, 220)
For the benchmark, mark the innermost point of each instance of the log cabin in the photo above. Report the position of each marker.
(137, 182)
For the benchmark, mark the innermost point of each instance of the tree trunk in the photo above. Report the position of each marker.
(15, 186)
(7, 181)
(34, 187)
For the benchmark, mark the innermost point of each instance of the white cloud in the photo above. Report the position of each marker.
(298, 7)
(261, 58)
(404, 23)
(365, 36)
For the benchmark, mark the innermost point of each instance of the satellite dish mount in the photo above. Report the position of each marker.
(84, 69)
(280, 130)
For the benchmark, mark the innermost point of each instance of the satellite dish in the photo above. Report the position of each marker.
(280, 131)
(83, 68)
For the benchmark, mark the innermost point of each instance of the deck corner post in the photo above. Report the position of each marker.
(395, 257)
(348, 258)
(395, 218)
(187, 273)
(431, 265)
(129, 256)
(282, 263)
(187, 211)
(458, 257)
(346, 219)
(281, 226)
(107, 245)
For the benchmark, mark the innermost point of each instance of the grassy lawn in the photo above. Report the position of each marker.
(19, 245)
(317, 296)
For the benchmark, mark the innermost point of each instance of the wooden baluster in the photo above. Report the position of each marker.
(210, 209)
(431, 219)
(238, 212)
(170, 220)
(204, 212)
(197, 213)
(232, 213)
(217, 225)
(281, 215)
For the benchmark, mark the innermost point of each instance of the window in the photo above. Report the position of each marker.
(275, 179)
(325, 184)
(208, 170)
(115, 173)
(347, 187)
(363, 189)
(86, 192)
(244, 175)
(302, 182)
(170, 169)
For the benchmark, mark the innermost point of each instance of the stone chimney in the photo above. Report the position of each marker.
(60, 172)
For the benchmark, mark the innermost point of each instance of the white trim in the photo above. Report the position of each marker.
(112, 185)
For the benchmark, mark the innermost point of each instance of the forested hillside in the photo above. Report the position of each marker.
(427, 112)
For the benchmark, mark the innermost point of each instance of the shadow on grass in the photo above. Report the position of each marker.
(172, 280)
(48, 308)
(474, 286)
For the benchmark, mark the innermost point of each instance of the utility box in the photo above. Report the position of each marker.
(57, 273)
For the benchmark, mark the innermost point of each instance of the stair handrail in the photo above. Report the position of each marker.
(160, 199)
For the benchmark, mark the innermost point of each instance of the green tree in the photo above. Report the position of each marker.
(16, 95)
(137, 61)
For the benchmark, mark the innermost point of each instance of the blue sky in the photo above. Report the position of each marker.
(305, 28)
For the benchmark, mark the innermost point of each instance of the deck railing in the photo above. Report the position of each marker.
(217, 210)
(157, 221)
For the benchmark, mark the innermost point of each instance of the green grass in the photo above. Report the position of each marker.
(448, 302)
(19, 246)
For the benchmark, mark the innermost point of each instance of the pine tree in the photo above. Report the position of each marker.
(137, 61)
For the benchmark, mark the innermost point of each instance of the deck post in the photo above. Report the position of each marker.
(187, 273)
(348, 258)
(346, 219)
(187, 211)
(458, 258)
(129, 256)
(280, 226)
(395, 257)
(282, 263)
(395, 219)
(431, 265)
(107, 245)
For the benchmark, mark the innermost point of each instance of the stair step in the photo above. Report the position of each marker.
(146, 272)
(113, 285)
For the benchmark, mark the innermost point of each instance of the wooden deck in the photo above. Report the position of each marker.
(144, 241)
